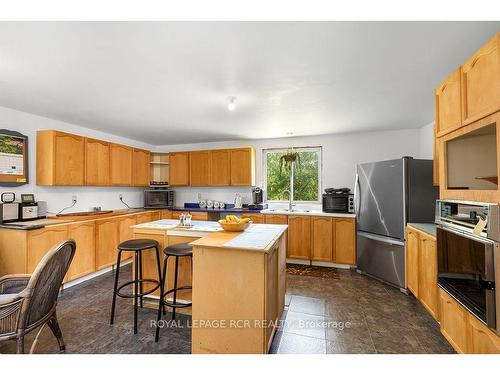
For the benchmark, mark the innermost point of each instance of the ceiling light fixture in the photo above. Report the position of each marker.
(231, 106)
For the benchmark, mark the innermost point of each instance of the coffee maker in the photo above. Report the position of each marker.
(257, 199)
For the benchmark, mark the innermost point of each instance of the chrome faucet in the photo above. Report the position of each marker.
(290, 204)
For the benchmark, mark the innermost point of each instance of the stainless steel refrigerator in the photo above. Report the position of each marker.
(389, 194)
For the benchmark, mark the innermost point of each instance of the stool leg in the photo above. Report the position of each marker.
(140, 276)
(175, 286)
(165, 281)
(117, 272)
(136, 286)
(160, 301)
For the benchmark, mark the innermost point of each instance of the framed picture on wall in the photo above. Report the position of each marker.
(13, 158)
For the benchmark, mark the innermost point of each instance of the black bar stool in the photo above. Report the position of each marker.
(178, 250)
(137, 246)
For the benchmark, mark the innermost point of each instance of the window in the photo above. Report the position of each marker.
(306, 176)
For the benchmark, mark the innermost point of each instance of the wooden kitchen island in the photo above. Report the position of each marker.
(238, 282)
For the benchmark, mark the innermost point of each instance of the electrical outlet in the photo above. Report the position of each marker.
(73, 198)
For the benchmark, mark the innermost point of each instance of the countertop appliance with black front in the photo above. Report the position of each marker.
(338, 200)
(159, 198)
(387, 195)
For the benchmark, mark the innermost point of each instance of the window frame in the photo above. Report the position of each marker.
(318, 149)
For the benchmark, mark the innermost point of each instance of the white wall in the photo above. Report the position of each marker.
(426, 149)
(341, 153)
(60, 197)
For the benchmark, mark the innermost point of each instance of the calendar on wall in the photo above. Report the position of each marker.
(13, 158)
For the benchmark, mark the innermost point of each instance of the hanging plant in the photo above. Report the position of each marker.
(290, 158)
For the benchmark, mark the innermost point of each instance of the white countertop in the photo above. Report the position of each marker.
(200, 228)
(271, 211)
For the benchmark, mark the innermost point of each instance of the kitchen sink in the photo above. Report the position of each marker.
(287, 210)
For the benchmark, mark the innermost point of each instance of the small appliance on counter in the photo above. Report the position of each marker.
(338, 201)
(257, 200)
(28, 208)
(9, 210)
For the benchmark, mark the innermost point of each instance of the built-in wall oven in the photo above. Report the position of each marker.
(468, 263)
(158, 198)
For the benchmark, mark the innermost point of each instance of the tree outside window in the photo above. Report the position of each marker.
(307, 172)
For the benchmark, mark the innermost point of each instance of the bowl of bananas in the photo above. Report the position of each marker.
(233, 223)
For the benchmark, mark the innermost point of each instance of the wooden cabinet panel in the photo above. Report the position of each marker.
(40, 241)
(125, 232)
(243, 167)
(166, 214)
(481, 82)
(435, 160)
(185, 276)
(107, 240)
(96, 162)
(84, 260)
(220, 165)
(120, 165)
(256, 218)
(299, 237)
(176, 214)
(140, 167)
(275, 219)
(448, 104)
(199, 215)
(69, 159)
(481, 340)
(179, 169)
(148, 216)
(344, 234)
(454, 322)
(322, 239)
(412, 244)
(427, 275)
(199, 168)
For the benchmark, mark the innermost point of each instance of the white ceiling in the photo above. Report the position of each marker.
(167, 82)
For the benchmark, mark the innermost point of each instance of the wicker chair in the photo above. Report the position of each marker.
(28, 302)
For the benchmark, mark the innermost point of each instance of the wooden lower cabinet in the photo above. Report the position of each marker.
(84, 260)
(481, 340)
(412, 260)
(255, 218)
(275, 219)
(344, 237)
(126, 232)
(40, 241)
(165, 214)
(322, 239)
(299, 237)
(107, 240)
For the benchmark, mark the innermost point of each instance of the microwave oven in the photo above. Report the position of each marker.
(158, 198)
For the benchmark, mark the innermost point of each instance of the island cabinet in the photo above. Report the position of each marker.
(121, 165)
(140, 167)
(97, 164)
(220, 166)
(322, 239)
(178, 169)
(481, 82)
(199, 168)
(107, 240)
(421, 269)
(60, 158)
(448, 104)
(83, 262)
(299, 237)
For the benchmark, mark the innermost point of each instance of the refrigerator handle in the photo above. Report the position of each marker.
(356, 196)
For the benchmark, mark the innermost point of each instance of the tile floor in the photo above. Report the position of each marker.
(350, 314)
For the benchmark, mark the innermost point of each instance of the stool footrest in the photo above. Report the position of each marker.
(140, 281)
(177, 304)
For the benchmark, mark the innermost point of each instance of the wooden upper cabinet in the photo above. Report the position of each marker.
(179, 169)
(120, 164)
(220, 166)
(199, 168)
(322, 239)
(448, 106)
(481, 82)
(243, 167)
(59, 158)
(344, 234)
(299, 237)
(96, 162)
(140, 167)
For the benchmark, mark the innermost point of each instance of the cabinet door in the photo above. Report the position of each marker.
(84, 260)
(435, 161)
(299, 237)
(448, 106)
(96, 162)
(40, 241)
(176, 214)
(147, 217)
(481, 339)
(220, 168)
(427, 275)
(276, 219)
(199, 168)
(412, 243)
(322, 239)
(344, 235)
(199, 215)
(256, 218)
(481, 82)
(179, 169)
(166, 214)
(140, 168)
(121, 165)
(126, 232)
(453, 319)
(69, 159)
(242, 167)
(107, 240)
